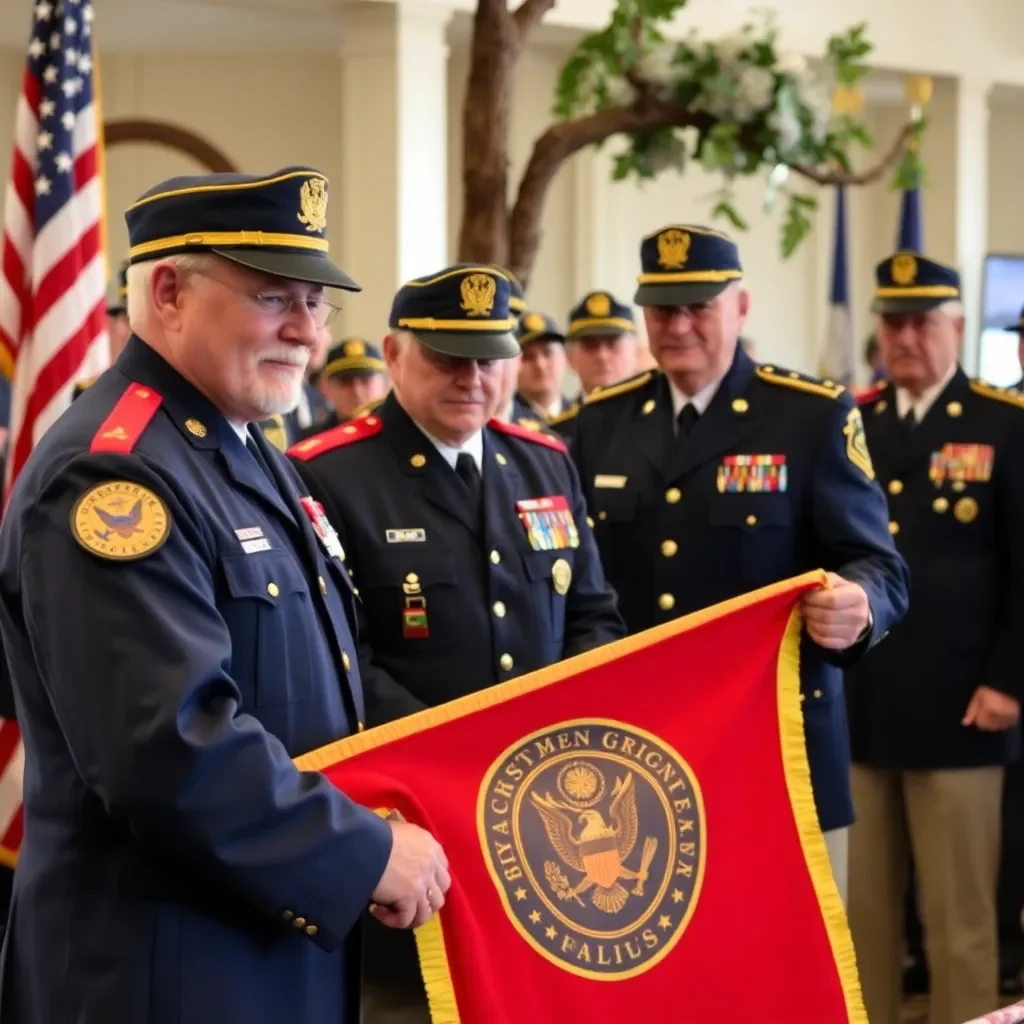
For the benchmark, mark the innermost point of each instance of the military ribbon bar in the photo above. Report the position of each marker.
(549, 523)
(752, 473)
(964, 463)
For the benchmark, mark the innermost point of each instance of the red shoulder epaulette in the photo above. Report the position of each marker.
(336, 437)
(536, 436)
(868, 394)
(127, 421)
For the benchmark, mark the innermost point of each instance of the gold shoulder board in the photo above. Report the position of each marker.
(986, 390)
(631, 384)
(567, 414)
(798, 382)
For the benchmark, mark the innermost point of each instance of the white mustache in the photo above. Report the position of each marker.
(292, 356)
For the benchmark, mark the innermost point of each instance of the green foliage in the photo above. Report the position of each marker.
(754, 107)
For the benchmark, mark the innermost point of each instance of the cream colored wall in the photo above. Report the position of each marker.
(268, 113)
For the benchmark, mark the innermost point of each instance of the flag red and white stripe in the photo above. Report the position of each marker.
(53, 272)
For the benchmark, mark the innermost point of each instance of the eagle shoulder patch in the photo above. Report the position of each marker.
(120, 520)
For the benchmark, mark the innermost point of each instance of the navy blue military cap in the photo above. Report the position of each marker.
(907, 282)
(1018, 327)
(537, 327)
(684, 265)
(461, 311)
(600, 313)
(118, 302)
(353, 355)
(275, 224)
(517, 297)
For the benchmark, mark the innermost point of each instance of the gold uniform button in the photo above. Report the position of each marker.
(895, 486)
(669, 548)
(803, 697)
(500, 459)
(602, 515)
(287, 915)
(506, 662)
(418, 461)
(299, 922)
(894, 528)
(273, 589)
(672, 495)
(751, 520)
(346, 661)
(817, 694)
(959, 485)
(499, 609)
(412, 578)
(954, 409)
(666, 602)
(648, 407)
(740, 405)
(495, 558)
(311, 930)
(323, 585)
(941, 505)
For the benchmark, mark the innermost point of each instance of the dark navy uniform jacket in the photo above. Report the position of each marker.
(176, 866)
(956, 504)
(683, 525)
(494, 609)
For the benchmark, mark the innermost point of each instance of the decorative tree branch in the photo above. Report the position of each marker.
(529, 14)
(561, 141)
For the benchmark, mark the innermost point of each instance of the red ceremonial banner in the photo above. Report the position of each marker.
(623, 830)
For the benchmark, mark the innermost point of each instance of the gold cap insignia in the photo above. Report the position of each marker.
(418, 461)
(857, 443)
(313, 201)
(561, 575)
(599, 848)
(120, 520)
(478, 294)
(599, 305)
(904, 269)
(673, 248)
(534, 322)
(354, 349)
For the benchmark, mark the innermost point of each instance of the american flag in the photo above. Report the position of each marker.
(53, 327)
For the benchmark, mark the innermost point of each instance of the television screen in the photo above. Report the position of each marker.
(1002, 300)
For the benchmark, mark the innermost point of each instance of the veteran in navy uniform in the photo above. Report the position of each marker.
(541, 369)
(353, 377)
(470, 550)
(934, 712)
(179, 626)
(715, 476)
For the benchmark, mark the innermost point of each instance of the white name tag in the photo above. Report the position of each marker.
(250, 547)
(249, 533)
(412, 536)
(606, 481)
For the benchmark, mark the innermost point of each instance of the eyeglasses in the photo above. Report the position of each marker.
(277, 304)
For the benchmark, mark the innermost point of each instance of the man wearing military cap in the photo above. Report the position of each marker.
(471, 552)
(934, 712)
(602, 342)
(714, 476)
(178, 626)
(354, 377)
(542, 367)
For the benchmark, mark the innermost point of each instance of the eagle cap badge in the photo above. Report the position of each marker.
(120, 520)
(313, 203)
(594, 834)
(478, 291)
(673, 248)
(904, 269)
(599, 304)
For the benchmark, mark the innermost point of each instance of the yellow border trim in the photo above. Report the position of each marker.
(461, 272)
(709, 232)
(430, 938)
(986, 390)
(565, 415)
(684, 276)
(428, 323)
(355, 363)
(769, 376)
(218, 238)
(812, 840)
(231, 186)
(935, 291)
(8, 858)
(602, 321)
(599, 393)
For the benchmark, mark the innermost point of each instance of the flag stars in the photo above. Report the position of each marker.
(43, 11)
(55, 41)
(68, 120)
(64, 163)
(69, 88)
(520, 894)
(36, 49)
(87, 14)
(50, 74)
(44, 140)
(70, 26)
(47, 109)
(70, 56)
(42, 186)
(84, 64)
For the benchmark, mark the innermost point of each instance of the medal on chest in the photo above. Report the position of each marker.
(325, 533)
(549, 523)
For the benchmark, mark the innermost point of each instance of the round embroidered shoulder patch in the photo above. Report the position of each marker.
(120, 520)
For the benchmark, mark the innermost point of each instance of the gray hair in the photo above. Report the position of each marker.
(140, 275)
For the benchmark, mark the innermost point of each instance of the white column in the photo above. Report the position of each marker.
(972, 172)
(393, 222)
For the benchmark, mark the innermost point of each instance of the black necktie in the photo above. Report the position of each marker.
(686, 419)
(465, 467)
(909, 421)
(254, 448)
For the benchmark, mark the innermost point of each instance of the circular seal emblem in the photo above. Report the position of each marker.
(120, 520)
(599, 304)
(594, 833)
(561, 575)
